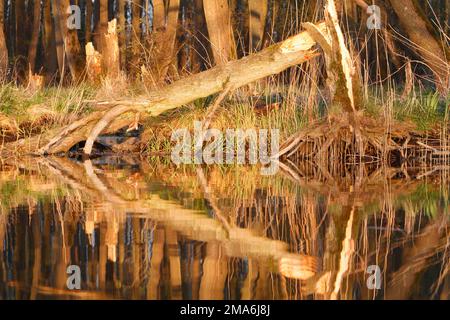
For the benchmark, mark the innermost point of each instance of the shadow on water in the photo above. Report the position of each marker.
(149, 230)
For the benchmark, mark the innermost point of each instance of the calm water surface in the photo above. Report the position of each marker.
(149, 230)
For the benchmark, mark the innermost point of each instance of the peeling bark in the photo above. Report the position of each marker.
(342, 79)
(111, 56)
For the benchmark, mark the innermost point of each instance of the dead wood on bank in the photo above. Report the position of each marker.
(347, 133)
(110, 116)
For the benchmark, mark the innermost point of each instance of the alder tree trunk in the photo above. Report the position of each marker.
(233, 74)
(21, 48)
(428, 46)
(136, 8)
(3, 47)
(88, 21)
(218, 20)
(103, 25)
(59, 39)
(111, 55)
(200, 51)
(163, 40)
(121, 25)
(257, 22)
(32, 51)
(50, 56)
(72, 48)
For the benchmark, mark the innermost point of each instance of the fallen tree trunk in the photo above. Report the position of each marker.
(105, 119)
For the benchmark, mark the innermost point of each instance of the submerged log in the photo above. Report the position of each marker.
(269, 61)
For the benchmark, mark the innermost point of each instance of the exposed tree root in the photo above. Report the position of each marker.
(337, 142)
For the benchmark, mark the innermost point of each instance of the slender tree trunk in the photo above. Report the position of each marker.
(21, 47)
(146, 20)
(218, 20)
(122, 33)
(429, 48)
(159, 15)
(20, 27)
(10, 30)
(164, 36)
(59, 40)
(96, 23)
(103, 27)
(136, 9)
(199, 54)
(89, 12)
(257, 22)
(72, 48)
(111, 10)
(3, 47)
(111, 55)
(35, 35)
(49, 42)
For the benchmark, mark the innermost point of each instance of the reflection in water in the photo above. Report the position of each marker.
(141, 230)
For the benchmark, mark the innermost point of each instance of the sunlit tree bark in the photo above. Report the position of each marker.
(218, 19)
(257, 22)
(72, 49)
(163, 38)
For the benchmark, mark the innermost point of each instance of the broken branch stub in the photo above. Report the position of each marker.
(237, 73)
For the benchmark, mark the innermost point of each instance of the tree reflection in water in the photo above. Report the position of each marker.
(144, 230)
